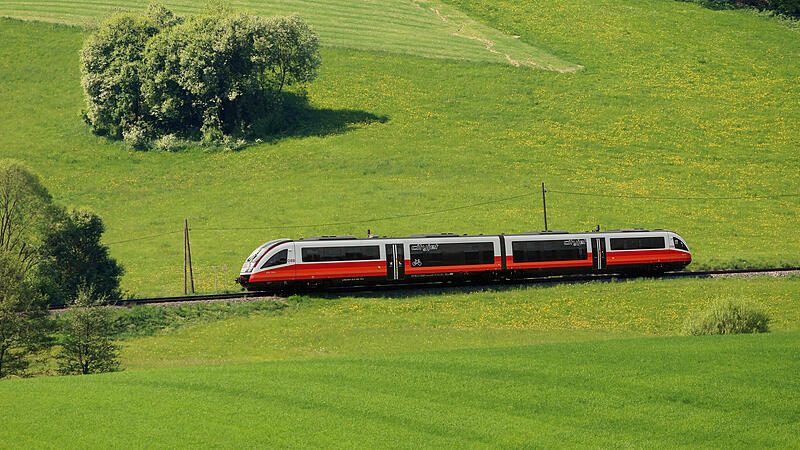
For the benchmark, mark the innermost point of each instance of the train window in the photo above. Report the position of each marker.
(435, 254)
(557, 250)
(638, 243)
(352, 253)
(679, 244)
(276, 260)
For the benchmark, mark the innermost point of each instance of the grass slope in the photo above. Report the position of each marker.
(670, 104)
(417, 27)
(732, 391)
(459, 318)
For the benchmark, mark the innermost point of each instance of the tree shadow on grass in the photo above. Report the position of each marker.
(299, 119)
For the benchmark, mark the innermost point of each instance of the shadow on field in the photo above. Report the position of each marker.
(299, 119)
(466, 287)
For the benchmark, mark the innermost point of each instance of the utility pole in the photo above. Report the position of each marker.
(216, 285)
(544, 206)
(187, 256)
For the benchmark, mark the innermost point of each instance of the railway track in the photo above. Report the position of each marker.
(249, 296)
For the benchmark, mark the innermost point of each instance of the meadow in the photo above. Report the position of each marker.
(578, 366)
(418, 27)
(454, 318)
(659, 110)
(659, 114)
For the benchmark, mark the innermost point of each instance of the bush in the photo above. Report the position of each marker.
(137, 138)
(169, 143)
(86, 346)
(217, 73)
(728, 317)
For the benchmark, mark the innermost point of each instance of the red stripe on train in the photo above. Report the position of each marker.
(645, 256)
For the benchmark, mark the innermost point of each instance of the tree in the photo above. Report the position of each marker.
(216, 73)
(295, 56)
(111, 61)
(23, 321)
(72, 258)
(87, 346)
(197, 74)
(26, 212)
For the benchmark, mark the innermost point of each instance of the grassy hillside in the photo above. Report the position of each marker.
(417, 27)
(733, 391)
(670, 104)
(420, 320)
(586, 365)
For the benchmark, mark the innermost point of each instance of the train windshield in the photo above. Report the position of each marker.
(252, 260)
(679, 244)
(276, 260)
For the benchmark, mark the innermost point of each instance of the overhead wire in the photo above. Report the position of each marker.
(456, 208)
(648, 197)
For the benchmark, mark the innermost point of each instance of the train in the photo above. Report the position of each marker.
(320, 262)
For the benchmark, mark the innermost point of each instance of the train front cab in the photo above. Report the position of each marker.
(646, 252)
(269, 267)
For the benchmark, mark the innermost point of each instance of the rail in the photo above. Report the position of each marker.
(564, 279)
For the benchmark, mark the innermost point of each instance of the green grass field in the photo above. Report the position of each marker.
(733, 392)
(418, 27)
(587, 365)
(423, 320)
(659, 110)
(673, 100)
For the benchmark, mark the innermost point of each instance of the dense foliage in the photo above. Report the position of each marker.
(22, 318)
(215, 74)
(86, 345)
(72, 258)
(26, 212)
(111, 65)
(46, 256)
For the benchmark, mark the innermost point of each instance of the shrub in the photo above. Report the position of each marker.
(169, 143)
(216, 73)
(86, 346)
(728, 317)
(137, 138)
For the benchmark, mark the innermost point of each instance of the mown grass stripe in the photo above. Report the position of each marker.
(391, 26)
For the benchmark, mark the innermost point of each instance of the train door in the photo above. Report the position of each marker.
(292, 259)
(395, 267)
(599, 253)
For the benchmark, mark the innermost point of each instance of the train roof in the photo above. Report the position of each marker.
(453, 235)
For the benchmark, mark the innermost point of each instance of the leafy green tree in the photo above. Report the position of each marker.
(217, 73)
(87, 346)
(23, 321)
(198, 73)
(72, 259)
(26, 212)
(295, 51)
(111, 69)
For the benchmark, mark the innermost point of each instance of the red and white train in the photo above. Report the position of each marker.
(317, 262)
